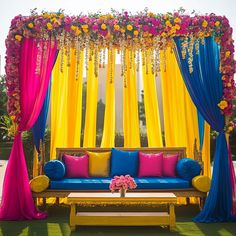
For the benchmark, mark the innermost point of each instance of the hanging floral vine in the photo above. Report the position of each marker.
(120, 30)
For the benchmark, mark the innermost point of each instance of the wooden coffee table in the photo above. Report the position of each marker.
(139, 200)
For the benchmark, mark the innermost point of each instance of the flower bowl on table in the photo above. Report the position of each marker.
(122, 183)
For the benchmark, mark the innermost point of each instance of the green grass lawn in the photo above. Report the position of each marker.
(57, 224)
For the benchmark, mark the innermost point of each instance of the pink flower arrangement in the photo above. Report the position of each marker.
(122, 182)
(111, 29)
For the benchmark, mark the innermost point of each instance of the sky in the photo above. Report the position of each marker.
(11, 8)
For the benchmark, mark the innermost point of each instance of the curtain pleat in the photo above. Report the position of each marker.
(130, 104)
(154, 134)
(108, 137)
(91, 105)
(180, 114)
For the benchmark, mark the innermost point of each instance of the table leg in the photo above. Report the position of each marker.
(172, 217)
(72, 216)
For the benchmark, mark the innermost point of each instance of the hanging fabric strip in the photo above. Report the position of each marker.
(151, 103)
(91, 105)
(108, 137)
(180, 115)
(130, 104)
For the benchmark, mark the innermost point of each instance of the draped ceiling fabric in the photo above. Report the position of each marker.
(154, 134)
(205, 88)
(17, 202)
(66, 104)
(180, 114)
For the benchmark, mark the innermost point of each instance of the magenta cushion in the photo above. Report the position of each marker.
(150, 164)
(169, 165)
(76, 166)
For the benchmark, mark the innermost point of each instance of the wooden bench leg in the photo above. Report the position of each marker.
(72, 217)
(172, 217)
(202, 202)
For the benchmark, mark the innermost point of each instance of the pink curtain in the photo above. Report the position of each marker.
(36, 63)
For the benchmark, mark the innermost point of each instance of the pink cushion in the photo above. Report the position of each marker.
(150, 164)
(76, 166)
(169, 165)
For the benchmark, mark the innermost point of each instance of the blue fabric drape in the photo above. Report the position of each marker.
(39, 126)
(200, 128)
(205, 88)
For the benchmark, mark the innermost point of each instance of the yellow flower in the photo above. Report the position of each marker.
(217, 23)
(177, 20)
(49, 26)
(227, 53)
(117, 27)
(223, 104)
(18, 37)
(145, 34)
(200, 34)
(30, 25)
(73, 27)
(129, 27)
(77, 31)
(84, 26)
(204, 24)
(177, 27)
(103, 26)
(122, 30)
(163, 34)
(151, 14)
(136, 32)
(85, 30)
(168, 23)
(230, 128)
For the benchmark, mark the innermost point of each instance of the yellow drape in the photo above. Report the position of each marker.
(130, 104)
(206, 151)
(66, 104)
(150, 102)
(108, 137)
(91, 105)
(180, 115)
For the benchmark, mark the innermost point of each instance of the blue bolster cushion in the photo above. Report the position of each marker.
(55, 170)
(188, 168)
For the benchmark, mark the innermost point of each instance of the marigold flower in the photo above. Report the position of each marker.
(227, 53)
(177, 20)
(229, 85)
(18, 37)
(103, 26)
(122, 30)
(85, 30)
(223, 104)
(73, 27)
(168, 23)
(49, 26)
(204, 24)
(136, 32)
(217, 23)
(177, 27)
(117, 27)
(129, 27)
(30, 25)
(84, 26)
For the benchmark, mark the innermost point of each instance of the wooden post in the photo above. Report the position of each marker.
(72, 216)
(172, 216)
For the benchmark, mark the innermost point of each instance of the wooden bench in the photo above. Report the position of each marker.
(181, 151)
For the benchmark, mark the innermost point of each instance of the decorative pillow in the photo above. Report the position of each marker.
(150, 164)
(201, 183)
(54, 169)
(76, 166)
(99, 164)
(39, 183)
(124, 163)
(169, 165)
(188, 168)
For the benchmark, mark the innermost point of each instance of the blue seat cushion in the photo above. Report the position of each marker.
(103, 183)
(124, 163)
(54, 169)
(188, 168)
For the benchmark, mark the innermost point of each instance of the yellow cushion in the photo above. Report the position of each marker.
(39, 183)
(201, 183)
(99, 164)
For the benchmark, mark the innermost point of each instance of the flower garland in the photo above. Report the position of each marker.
(122, 31)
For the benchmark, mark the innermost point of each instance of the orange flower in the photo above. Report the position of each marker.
(217, 23)
(84, 26)
(129, 27)
(103, 26)
(117, 27)
(18, 37)
(204, 24)
(30, 25)
(177, 27)
(168, 23)
(227, 53)
(136, 32)
(177, 20)
(49, 26)
(223, 104)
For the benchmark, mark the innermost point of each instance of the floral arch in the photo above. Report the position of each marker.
(196, 40)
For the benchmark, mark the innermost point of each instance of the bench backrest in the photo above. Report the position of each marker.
(181, 151)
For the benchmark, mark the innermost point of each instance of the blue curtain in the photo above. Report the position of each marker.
(39, 126)
(200, 128)
(205, 88)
